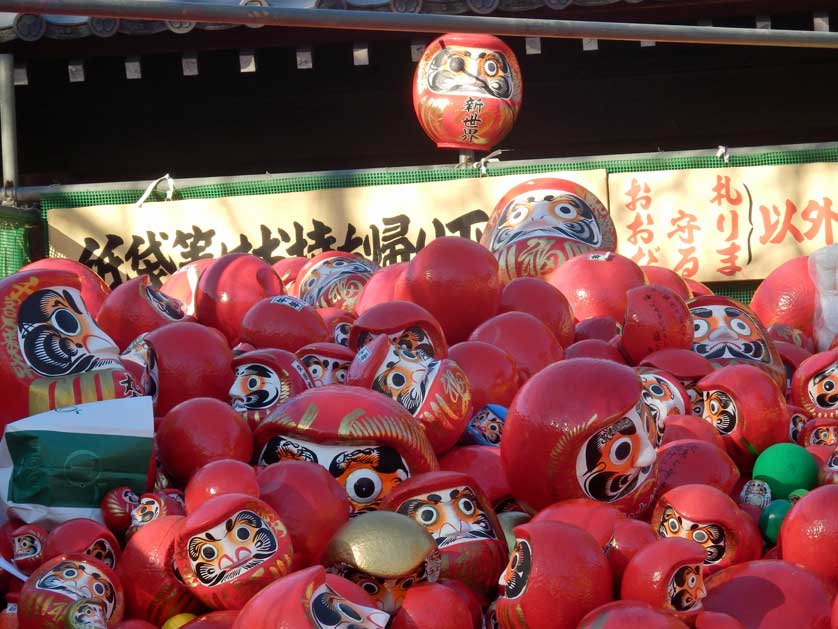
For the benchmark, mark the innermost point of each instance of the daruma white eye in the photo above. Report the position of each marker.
(427, 515)
(700, 327)
(565, 210)
(466, 506)
(621, 451)
(740, 327)
(699, 536)
(518, 214)
(672, 525)
(363, 486)
(208, 553)
(65, 322)
(491, 68)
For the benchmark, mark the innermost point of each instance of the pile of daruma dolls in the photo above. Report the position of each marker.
(527, 432)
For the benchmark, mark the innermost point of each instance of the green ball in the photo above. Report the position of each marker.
(786, 467)
(772, 518)
(796, 495)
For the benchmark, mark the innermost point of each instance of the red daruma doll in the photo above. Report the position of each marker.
(467, 91)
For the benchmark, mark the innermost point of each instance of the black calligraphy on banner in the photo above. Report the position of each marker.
(159, 254)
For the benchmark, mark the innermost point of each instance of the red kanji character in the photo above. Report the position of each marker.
(684, 224)
(819, 216)
(637, 258)
(729, 260)
(734, 225)
(723, 192)
(688, 264)
(638, 231)
(634, 194)
(776, 230)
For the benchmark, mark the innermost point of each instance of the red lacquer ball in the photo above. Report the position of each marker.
(630, 536)
(288, 269)
(448, 273)
(432, 605)
(628, 615)
(492, 373)
(809, 533)
(84, 536)
(225, 476)
(190, 360)
(787, 295)
(693, 461)
(661, 276)
(152, 590)
(602, 328)
(282, 322)
(380, 288)
(543, 301)
(543, 583)
(770, 594)
(214, 620)
(656, 318)
(228, 289)
(691, 427)
(310, 502)
(595, 348)
(530, 343)
(199, 431)
(596, 283)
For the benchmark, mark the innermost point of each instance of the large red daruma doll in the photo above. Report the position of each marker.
(540, 224)
(52, 353)
(467, 91)
(564, 437)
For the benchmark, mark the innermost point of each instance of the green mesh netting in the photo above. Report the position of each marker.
(305, 183)
(740, 291)
(14, 246)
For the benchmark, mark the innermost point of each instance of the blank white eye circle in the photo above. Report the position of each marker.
(427, 515)
(740, 327)
(700, 327)
(466, 506)
(564, 210)
(518, 214)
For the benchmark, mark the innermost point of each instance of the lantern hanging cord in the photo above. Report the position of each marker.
(420, 22)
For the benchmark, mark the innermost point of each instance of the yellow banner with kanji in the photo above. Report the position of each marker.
(720, 224)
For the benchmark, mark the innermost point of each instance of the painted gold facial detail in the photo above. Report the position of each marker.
(711, 536)
(727, 332)
(58, 337)
(230, 549)
(720, 411)
(618, 458)
(517, 572)
(823, 388)
(686, 589)
(452, 516)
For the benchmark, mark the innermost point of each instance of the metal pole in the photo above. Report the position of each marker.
(420, 23)
(8, 123)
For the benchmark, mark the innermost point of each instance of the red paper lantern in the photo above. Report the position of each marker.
(467, 91)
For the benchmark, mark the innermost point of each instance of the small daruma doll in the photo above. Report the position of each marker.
(467, 91)
(366, 441)
(326, 363)
(29, 541)
(231, 547)
(434, 391)
(726, 332)
(52, 353)
(586, 444)
(539, 224)
(747, 408)
(667, 574)
(814, 385)
(265, 378)
(453, 509)
(333, 279)
(709, 517)
(407, 324)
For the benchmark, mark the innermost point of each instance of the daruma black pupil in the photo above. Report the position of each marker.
(623, 451)
(364, 488)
